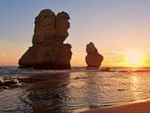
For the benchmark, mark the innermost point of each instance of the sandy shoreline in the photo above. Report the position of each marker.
(139, 107)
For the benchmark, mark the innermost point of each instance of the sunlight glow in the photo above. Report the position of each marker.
(134, 58)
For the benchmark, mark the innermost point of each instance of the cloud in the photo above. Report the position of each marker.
(113, 55)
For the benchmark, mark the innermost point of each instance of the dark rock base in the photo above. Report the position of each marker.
(47, 66)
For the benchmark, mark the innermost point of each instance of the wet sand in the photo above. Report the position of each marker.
(142, 107)
(72, 91)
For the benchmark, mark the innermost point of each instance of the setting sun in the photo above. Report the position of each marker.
(134, 58)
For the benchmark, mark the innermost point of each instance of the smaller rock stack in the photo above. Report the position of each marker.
(93, 58)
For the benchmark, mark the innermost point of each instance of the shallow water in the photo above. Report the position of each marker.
(72, 91)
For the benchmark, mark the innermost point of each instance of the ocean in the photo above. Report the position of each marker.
(72, 91)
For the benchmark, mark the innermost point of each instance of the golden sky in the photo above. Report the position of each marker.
(115, 27)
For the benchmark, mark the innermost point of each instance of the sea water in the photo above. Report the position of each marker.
(72, 91)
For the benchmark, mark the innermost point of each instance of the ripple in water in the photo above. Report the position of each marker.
(74, 91)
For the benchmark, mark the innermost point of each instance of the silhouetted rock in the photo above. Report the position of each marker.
(106, 69)
(9, 82)
(93, 58)
(48, 50)
(62, 25)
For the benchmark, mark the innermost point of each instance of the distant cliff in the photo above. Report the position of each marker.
(48, 50)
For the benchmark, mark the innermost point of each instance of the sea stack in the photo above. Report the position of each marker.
(93, 58)
(48, 50)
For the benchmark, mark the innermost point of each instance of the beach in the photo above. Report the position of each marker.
(73, 91)
(142, 107)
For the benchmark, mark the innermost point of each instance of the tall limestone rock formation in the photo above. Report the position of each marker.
(48, 50)
(93, 58)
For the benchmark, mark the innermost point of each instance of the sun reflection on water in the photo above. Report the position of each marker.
(135, 80)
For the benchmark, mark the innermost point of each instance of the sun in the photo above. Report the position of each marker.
(134, 58)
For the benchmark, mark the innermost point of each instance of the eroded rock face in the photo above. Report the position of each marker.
(93, 58)
(48, 50)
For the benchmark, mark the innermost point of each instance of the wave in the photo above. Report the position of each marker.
(9, 70)
(15, 70)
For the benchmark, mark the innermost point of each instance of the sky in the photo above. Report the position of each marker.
(115, 26)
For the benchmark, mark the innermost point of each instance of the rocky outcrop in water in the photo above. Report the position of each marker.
(93, 58)
(7, 82)
(48, 50)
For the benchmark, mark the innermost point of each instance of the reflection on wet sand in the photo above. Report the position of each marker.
(47, 94)
(72, 92)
